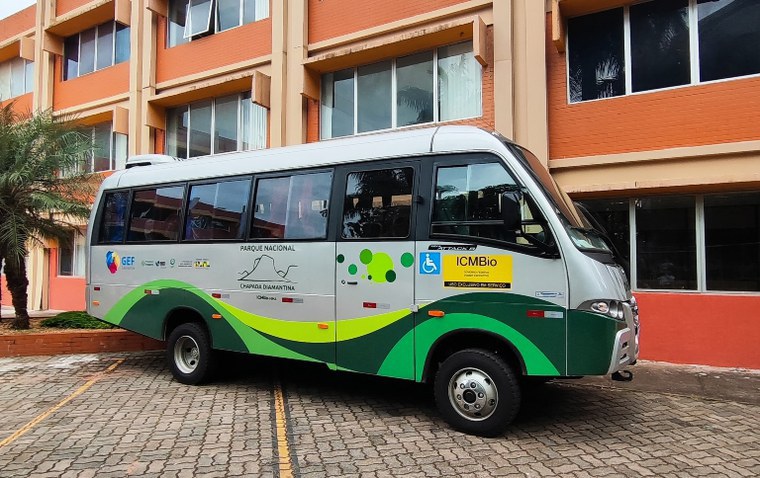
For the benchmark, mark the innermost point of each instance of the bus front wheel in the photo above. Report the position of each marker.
(189, 354)
(477, 392)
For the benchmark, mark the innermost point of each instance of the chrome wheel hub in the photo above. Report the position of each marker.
(187, 354)
(473, 394)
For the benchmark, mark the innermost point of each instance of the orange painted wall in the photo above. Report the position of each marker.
(721, 112)
(333, 18)
(220, 49)
(90, 87)
(65, 6)
(486, 121)
(720, 330)
(65, 293)
(6, 296)
(22, 105)
(18, 22)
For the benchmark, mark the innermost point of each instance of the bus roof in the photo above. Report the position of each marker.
(408, 143)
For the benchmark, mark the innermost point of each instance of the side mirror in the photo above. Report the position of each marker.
(510, 210)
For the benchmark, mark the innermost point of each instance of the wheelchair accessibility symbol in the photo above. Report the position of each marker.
(430, 263)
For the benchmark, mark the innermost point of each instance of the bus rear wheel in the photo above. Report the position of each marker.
(477, 392)
(189, 354)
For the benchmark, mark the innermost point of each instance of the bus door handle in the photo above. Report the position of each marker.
(352, 282)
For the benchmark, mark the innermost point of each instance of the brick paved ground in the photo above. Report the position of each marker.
(136, 421)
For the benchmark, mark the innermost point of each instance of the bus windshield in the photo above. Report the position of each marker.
(581, 232)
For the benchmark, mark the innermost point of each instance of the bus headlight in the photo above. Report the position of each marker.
(610, 308)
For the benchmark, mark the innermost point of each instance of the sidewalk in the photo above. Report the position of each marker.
(7, 312)
(739, 385)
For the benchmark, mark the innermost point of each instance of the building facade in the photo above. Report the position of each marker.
(644, 111)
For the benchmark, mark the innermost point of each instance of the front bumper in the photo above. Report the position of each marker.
(626, 345)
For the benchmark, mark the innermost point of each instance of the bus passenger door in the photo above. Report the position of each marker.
(474, 274)
(375, 270)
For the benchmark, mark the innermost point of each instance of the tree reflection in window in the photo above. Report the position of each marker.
(378, 204)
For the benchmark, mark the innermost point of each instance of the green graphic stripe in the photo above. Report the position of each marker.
(536, 362)
(308, 332)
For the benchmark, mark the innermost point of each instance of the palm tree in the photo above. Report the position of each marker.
(44, 190)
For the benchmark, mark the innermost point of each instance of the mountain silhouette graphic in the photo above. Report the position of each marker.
(265, 270)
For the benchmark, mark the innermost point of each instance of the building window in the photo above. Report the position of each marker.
(193, 19)
(16, 78)
(661, 44)
(71, 256)
(705, 243)
(732, 241)
(666, 255)
(109, 149)
(220, 125)
(440, 85)
(95, 49)
(612, 218)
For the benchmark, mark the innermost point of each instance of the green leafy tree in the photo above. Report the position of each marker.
(44, 191)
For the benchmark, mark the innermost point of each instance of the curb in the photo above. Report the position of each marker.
(76, 342)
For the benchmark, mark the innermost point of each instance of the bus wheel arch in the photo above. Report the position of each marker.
(455, 341)
(182, 315)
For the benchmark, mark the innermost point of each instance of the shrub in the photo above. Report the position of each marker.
(75, 320)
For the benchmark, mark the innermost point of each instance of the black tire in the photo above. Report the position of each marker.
(490, 392)
(189, 354)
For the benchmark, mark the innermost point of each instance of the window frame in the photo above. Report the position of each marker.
(241, 97)
(26, 85)
(700, 243)
(394, 95)
(694, 57)
(213, 28)
(75, 236)
(78, 36)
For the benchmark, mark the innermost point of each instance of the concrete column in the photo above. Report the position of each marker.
(277, 111)
(503, 84)
(44, 62)
(140, 38)
(530, 85)
(297, 51)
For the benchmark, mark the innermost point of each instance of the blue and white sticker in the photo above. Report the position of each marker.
(430, 263)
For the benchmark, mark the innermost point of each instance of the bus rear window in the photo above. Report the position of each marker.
(113, 218)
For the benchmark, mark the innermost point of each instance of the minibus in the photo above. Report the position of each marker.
(445, 255)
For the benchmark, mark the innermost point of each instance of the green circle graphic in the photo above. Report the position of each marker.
(390, 276)
(407, 259)
(352, 269)
(340, 258)
(378, 268)
(365, 256)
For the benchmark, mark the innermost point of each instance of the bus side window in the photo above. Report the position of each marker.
(155, 214)
(217, 211)
(113, 218)
(292, 207)
(378, 204)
